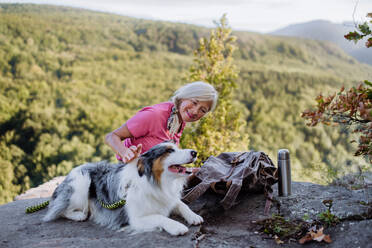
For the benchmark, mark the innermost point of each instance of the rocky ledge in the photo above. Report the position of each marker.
(241, 226)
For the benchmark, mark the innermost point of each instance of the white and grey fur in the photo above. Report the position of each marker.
(150, 184)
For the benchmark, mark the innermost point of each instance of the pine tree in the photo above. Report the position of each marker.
(220, 131)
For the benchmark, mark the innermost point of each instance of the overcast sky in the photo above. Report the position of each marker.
(251, 15)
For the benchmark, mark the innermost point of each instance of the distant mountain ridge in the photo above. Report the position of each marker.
(328, 31)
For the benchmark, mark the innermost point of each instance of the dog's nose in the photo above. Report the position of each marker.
(194, 153)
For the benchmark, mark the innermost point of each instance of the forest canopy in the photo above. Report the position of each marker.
(68, 76)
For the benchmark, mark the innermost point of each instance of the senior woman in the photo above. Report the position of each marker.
(164, 121)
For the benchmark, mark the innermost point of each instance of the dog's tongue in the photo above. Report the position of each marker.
(174, 168)
(180, 169)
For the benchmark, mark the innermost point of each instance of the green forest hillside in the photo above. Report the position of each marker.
(68, 76)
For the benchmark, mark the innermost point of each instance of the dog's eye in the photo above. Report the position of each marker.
(170, 150)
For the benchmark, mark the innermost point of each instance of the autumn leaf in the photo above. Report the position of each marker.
(316, 235)
(277, 240)
(305, 239)
(352, 36)
(327, 239)
(369, 43)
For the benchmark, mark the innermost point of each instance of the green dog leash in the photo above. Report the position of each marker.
(37, 207)
(114, 205)
(43, 205)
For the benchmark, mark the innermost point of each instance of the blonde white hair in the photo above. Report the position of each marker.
(196, 90)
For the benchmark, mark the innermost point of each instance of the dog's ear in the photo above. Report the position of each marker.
(140, 167)
(144, 165)
(149, 158)
(147, 164)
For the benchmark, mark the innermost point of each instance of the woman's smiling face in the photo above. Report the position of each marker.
(191, 110)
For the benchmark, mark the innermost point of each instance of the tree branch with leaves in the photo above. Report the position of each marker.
(351, 108)
(363, 31)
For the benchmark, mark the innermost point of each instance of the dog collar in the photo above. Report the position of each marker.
(114, 205)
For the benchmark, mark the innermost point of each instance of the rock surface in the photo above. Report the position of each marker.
(41, 191)
(232, 228)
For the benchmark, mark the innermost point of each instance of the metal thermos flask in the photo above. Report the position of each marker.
(284, 168)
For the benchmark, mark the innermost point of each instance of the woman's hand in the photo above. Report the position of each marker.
(114, 140)
(132, 153)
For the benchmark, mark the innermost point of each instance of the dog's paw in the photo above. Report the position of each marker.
(128, 230)
(194, 219)
(76, 216)
(177, 229)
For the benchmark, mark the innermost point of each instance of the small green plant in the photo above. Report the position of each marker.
(306, 217)
(327, 217)
(357, 186)
(277, 229)
(363, 203)
(283, 228)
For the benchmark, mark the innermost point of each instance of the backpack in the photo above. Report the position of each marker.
(231, 174)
